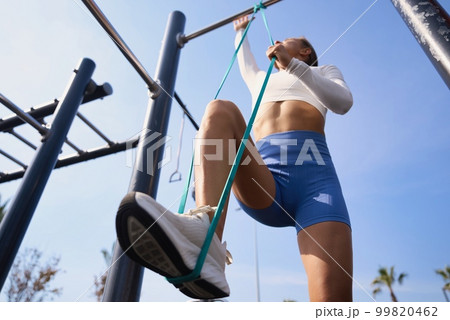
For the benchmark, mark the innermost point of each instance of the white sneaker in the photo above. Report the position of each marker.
(169, 244)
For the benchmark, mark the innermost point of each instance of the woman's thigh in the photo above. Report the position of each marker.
(253, 184)
(326, 251)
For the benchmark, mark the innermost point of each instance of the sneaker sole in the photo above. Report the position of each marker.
(154, 250)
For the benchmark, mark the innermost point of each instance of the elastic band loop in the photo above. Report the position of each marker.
(228, 184)
(182, 205)
(223, 198)
(267, 26)
(186, 187)
(233, 59)
(258, 6)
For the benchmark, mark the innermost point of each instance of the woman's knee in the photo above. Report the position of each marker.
(222, 112)
(219, 104)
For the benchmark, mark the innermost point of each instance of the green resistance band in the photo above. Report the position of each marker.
(182, 205)
(223, 198)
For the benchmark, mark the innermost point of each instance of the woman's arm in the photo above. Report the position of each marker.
(327, 85)
(247, 63)
(329, 88)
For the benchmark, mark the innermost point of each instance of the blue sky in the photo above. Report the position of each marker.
(391, 150)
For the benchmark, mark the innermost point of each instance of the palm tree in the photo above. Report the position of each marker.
(445, 273)
(387, 278)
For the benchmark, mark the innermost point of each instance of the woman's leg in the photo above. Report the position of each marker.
(326, 251)
(219, 137)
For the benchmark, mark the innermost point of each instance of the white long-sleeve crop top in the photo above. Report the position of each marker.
(323, 87)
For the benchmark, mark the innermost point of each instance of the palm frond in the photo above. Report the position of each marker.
(401, 277)
(442, 273)
(383, 272)
(376, 281)
(383, 277)
(376, 291)
(392, 274)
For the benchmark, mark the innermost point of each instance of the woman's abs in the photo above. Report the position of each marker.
(287, 115)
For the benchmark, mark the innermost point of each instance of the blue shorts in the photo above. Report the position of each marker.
(307, 186)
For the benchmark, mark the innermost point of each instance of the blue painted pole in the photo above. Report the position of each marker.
(124, 279)
(18, 217)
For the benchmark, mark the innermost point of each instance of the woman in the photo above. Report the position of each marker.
(289, 181)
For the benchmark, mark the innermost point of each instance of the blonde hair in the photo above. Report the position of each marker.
(312, 59)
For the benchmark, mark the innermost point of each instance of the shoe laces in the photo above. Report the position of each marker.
(229, 258)
(202, 209)
(207, 209)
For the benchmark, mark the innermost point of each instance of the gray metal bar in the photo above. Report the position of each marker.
(10, 157)
(46, 109)
(18, 217)
(129, 55)
(18, 136)
(23, 115)
(258, 291)
(430, 24)
(97, 131)
(67, 141)
(186, 111)
(75, 158)
(125, 276)
(73, 146)
(10, 176)
(185, 39)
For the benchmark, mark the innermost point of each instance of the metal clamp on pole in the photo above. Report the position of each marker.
(153, 86)
(99, 92)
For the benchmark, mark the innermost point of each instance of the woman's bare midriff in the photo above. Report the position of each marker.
(287, 115)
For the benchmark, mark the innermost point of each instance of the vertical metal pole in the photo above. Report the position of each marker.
(258, 291)
(430, 24)
(125, 276)
(16, 221)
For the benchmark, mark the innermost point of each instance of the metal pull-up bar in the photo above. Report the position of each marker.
(186, 111)
(154, 87)
(23, 115)
(223, 22)
(94, 128)
(39, 112)
(13, 159)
